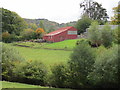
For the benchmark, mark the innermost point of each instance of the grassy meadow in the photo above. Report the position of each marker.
(47, 53)
(13, 85)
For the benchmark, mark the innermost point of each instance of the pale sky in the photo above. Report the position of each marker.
(60, 11)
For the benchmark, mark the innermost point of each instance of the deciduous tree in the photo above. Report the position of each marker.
(94, 10)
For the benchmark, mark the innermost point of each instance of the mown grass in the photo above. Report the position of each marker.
(67, 44)
(15, 86)
(6, 84)
(46, 56)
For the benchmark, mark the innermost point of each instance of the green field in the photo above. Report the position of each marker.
(66, 45)
(45, 52)
(47, 57)
(14, 85)
(6, 84)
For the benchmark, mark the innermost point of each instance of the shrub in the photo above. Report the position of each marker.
(81, 64)
(10, 57)
(58, 76)
(105, 73)
(8, 38)
(31, 72)
(83, 40)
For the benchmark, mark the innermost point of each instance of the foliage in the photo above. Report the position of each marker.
(59, 76)
(105, 73)
(83, 24)
(107, 35)
(8, 38)
(83, 40)
(80, 65)
(10, 57)
(94, 34)
(32, 26)
(116, 35)
(31, 72)
(5, 37)
(116, 18)
(42, 25)
(40, 32)
(28, 34)
(94, 10)
(12, 22)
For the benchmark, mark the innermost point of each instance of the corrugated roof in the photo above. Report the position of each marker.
(58, 31)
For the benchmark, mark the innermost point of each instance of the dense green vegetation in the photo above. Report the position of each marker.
(82, 24)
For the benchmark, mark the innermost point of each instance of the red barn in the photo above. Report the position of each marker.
(61, 34)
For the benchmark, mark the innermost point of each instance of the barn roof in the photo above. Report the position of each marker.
(58, 31)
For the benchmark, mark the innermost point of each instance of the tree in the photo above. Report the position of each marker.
(83, 24)
(116, 34)
(116, 18)
(106, 35)
(40, 32)
(81, 64)
(28, 34)
(94, 10)
(12, 22)
(94, 34)
(32, 26)
(42, 25)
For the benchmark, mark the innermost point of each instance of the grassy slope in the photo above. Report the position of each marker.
(12, 85)
(6, 84)
(48, 57)
(68, 44)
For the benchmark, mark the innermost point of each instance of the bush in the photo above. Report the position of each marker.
(10, 57)
(81, 64)
(105, 73)
(59, 76)
(30, 72)
(8, 38)
(83, 40)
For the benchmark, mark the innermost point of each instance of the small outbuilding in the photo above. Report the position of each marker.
(61, 34)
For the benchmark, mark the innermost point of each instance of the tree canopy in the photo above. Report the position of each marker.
(116, 18)
(12, 22)
(83, 23)
(94, 10)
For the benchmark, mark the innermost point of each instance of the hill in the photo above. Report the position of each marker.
(49, 25)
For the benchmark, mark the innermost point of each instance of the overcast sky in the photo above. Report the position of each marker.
(60, 11)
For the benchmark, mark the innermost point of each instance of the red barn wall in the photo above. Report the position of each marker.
(61, 36)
